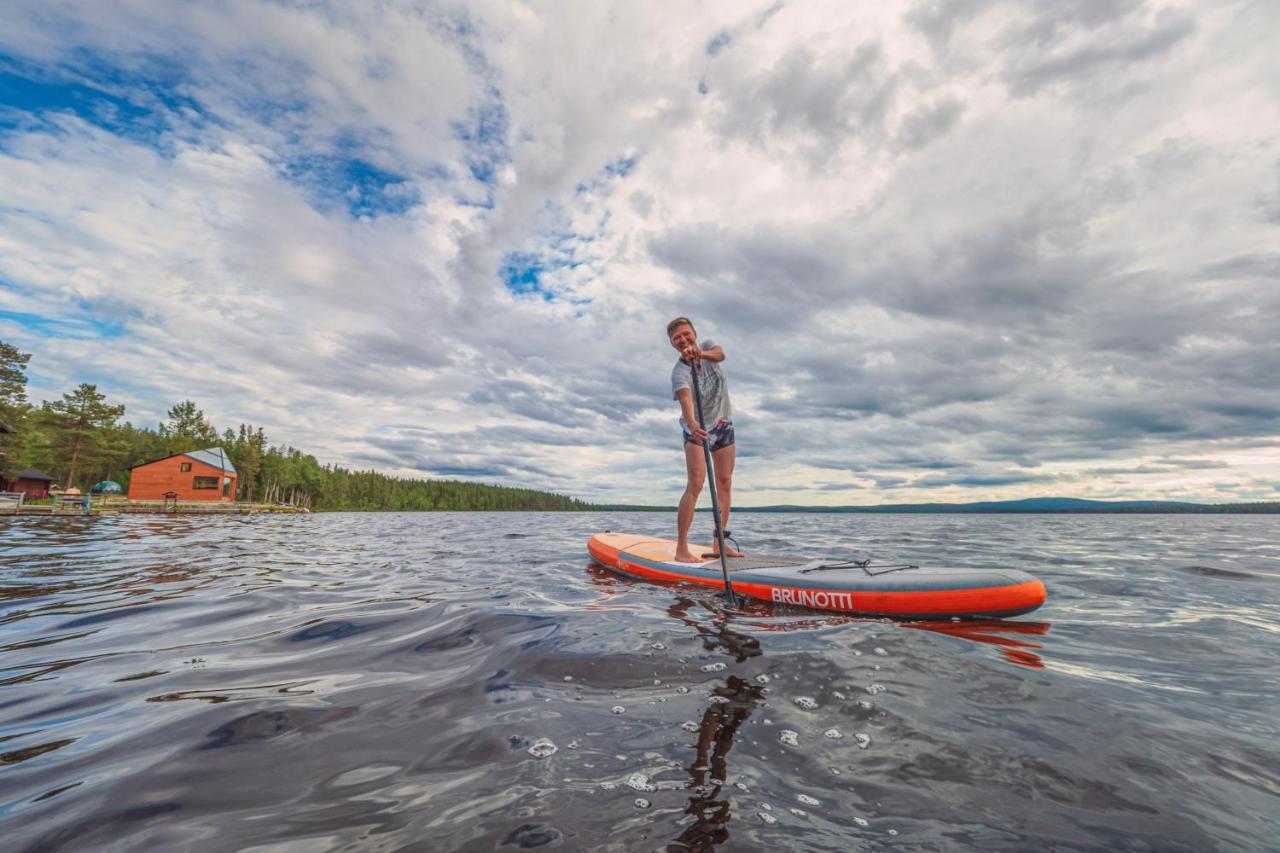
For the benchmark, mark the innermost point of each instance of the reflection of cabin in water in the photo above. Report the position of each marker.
(197, 475)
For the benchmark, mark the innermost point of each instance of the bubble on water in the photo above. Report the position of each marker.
(876, 688)
(893, 832)
(741, 786)
(789, 737)
(657, 681)
(865, 705)
(806, 702)
(658, 647)
(682, 689)
(857, 654)
(717, 700)
(861, 821)
(690, 726)
(762, 679)
(767, 818)
(568, 678)
(880, 651)
(714, 781)
(876, 667)
(835, 771)
(573, 744)
(642, 803)
(837, 694)
(618, 709)
(808, 800)
(798, 812)
(713, 667)
(864, 740)
(640, 782)
(542, 748)
(766, 807)
(834, 734)
(608, 786)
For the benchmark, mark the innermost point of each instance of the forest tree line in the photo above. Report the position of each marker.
(81, 439)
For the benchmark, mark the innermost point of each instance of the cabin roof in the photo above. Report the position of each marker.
(214, 456)
(33, 474)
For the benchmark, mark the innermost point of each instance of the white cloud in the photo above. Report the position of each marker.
(957, 251)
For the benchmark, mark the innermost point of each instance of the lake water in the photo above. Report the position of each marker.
(469, 681)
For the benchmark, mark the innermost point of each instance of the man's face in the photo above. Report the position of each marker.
(683, 337)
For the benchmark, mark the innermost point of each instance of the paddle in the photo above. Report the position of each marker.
(711, 481)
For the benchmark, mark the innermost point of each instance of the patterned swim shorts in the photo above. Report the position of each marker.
(719, 436)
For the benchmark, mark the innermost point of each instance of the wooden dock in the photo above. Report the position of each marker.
(65, 506)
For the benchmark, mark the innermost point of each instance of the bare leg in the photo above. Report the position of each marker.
(696, 467)
(722, 460)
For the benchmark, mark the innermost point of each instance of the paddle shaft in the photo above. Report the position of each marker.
(711, 481)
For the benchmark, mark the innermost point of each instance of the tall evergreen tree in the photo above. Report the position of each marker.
(13, 405)
(188, 429)
(81, 422)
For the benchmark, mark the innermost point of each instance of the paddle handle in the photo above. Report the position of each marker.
(711, 481)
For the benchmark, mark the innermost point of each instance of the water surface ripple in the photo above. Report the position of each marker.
(469, 681)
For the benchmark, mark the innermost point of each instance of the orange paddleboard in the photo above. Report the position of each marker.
(898, 590)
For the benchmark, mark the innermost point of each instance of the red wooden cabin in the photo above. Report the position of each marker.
(34, 483)
(198, 475)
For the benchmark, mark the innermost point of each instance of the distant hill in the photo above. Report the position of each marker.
(1043, 505)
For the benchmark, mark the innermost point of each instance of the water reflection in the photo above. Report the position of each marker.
(1005, 635)
(729, 707)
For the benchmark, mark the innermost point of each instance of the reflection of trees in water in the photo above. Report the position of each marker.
(731, 705)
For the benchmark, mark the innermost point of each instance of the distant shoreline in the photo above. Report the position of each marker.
(1039, 506)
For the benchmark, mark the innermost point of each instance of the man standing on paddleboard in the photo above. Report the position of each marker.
(704, 357)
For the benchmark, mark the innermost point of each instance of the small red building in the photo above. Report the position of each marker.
(34, 483)
(197, 475)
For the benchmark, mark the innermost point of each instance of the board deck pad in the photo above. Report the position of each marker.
(739, 564)
(831, 583)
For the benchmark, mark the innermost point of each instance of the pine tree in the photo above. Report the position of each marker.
(188, 429)
(13, 405)
(80, 422)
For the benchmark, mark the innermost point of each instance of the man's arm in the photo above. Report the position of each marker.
(685, 396)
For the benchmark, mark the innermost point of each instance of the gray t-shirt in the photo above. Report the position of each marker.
(712, 384)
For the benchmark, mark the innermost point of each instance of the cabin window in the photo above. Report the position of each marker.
(184, 467)
(204, 483)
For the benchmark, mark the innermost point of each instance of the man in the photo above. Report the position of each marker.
(704, 358)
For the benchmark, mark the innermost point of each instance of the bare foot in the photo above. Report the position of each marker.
(686, 556)
(728, 552)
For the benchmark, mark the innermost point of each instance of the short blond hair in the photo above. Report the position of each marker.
(680, 321)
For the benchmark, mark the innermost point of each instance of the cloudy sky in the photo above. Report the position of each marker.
(954, 250)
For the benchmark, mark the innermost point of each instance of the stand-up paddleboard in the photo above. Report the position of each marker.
(899, 590)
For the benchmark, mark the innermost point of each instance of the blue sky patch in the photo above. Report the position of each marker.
(138, 105)
(522, 274)
(73, 328)
(721, 40)
(485, 133)
(621, 167)
(364, 189)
